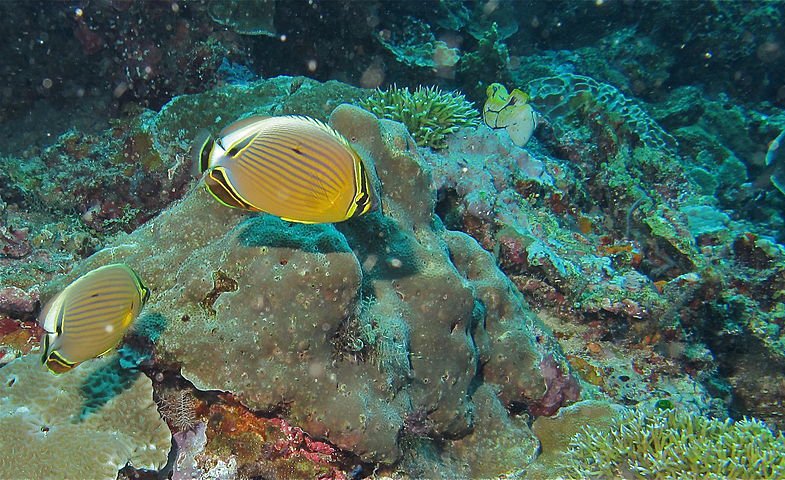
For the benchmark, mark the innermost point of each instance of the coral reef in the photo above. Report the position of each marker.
(555, 433)
(271, 448)
(74, 194)
(276, 341)
(397, 340)
(429, 114)
(416, 46)
(46, 417)
(17, 338)
(676, 444)
(632, 254)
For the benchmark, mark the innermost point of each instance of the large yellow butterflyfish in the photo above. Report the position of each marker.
(295, 167)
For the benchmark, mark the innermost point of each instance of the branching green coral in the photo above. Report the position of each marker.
(428, 113)
(675, 444)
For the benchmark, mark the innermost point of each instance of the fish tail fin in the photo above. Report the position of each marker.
(201, 151)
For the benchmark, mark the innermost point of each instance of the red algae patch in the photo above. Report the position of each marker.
(269, 447)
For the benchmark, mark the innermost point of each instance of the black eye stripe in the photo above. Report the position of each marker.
(204, 160)
(239, 146)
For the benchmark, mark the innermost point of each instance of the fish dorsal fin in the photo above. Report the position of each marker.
(327, 129)
(240, 124)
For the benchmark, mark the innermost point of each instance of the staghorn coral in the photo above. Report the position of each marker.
(428, 113)
(676, 444)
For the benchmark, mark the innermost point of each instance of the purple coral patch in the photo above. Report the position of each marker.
(562, 388)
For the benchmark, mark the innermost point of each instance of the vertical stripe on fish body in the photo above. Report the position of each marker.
(295, 167)
(90, 316)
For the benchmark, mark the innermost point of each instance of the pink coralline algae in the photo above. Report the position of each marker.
(561, 389)
(268, 447)
(295, 442)
(17, 303)
(14, 243)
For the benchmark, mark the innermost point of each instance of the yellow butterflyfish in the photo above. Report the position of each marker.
(90, 316)
(510, 111)
(295, 167)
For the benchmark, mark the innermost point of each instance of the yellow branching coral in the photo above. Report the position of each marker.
(673, 444)
(428, 113)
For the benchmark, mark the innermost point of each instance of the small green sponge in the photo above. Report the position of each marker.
(428, 113)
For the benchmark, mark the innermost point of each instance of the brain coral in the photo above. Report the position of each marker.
(355, 330)
(56, 427)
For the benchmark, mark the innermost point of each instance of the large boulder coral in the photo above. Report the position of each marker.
(362, 332)
(77, 425)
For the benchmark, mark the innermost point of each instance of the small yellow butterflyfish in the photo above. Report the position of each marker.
(295, 167)
(510, 111)
(90, 316)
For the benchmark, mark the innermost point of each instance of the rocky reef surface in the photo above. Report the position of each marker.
(372, 334)
(396, 341)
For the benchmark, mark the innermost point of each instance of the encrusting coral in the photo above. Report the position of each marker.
(428, 113)
(676, 444)
(56, 427)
